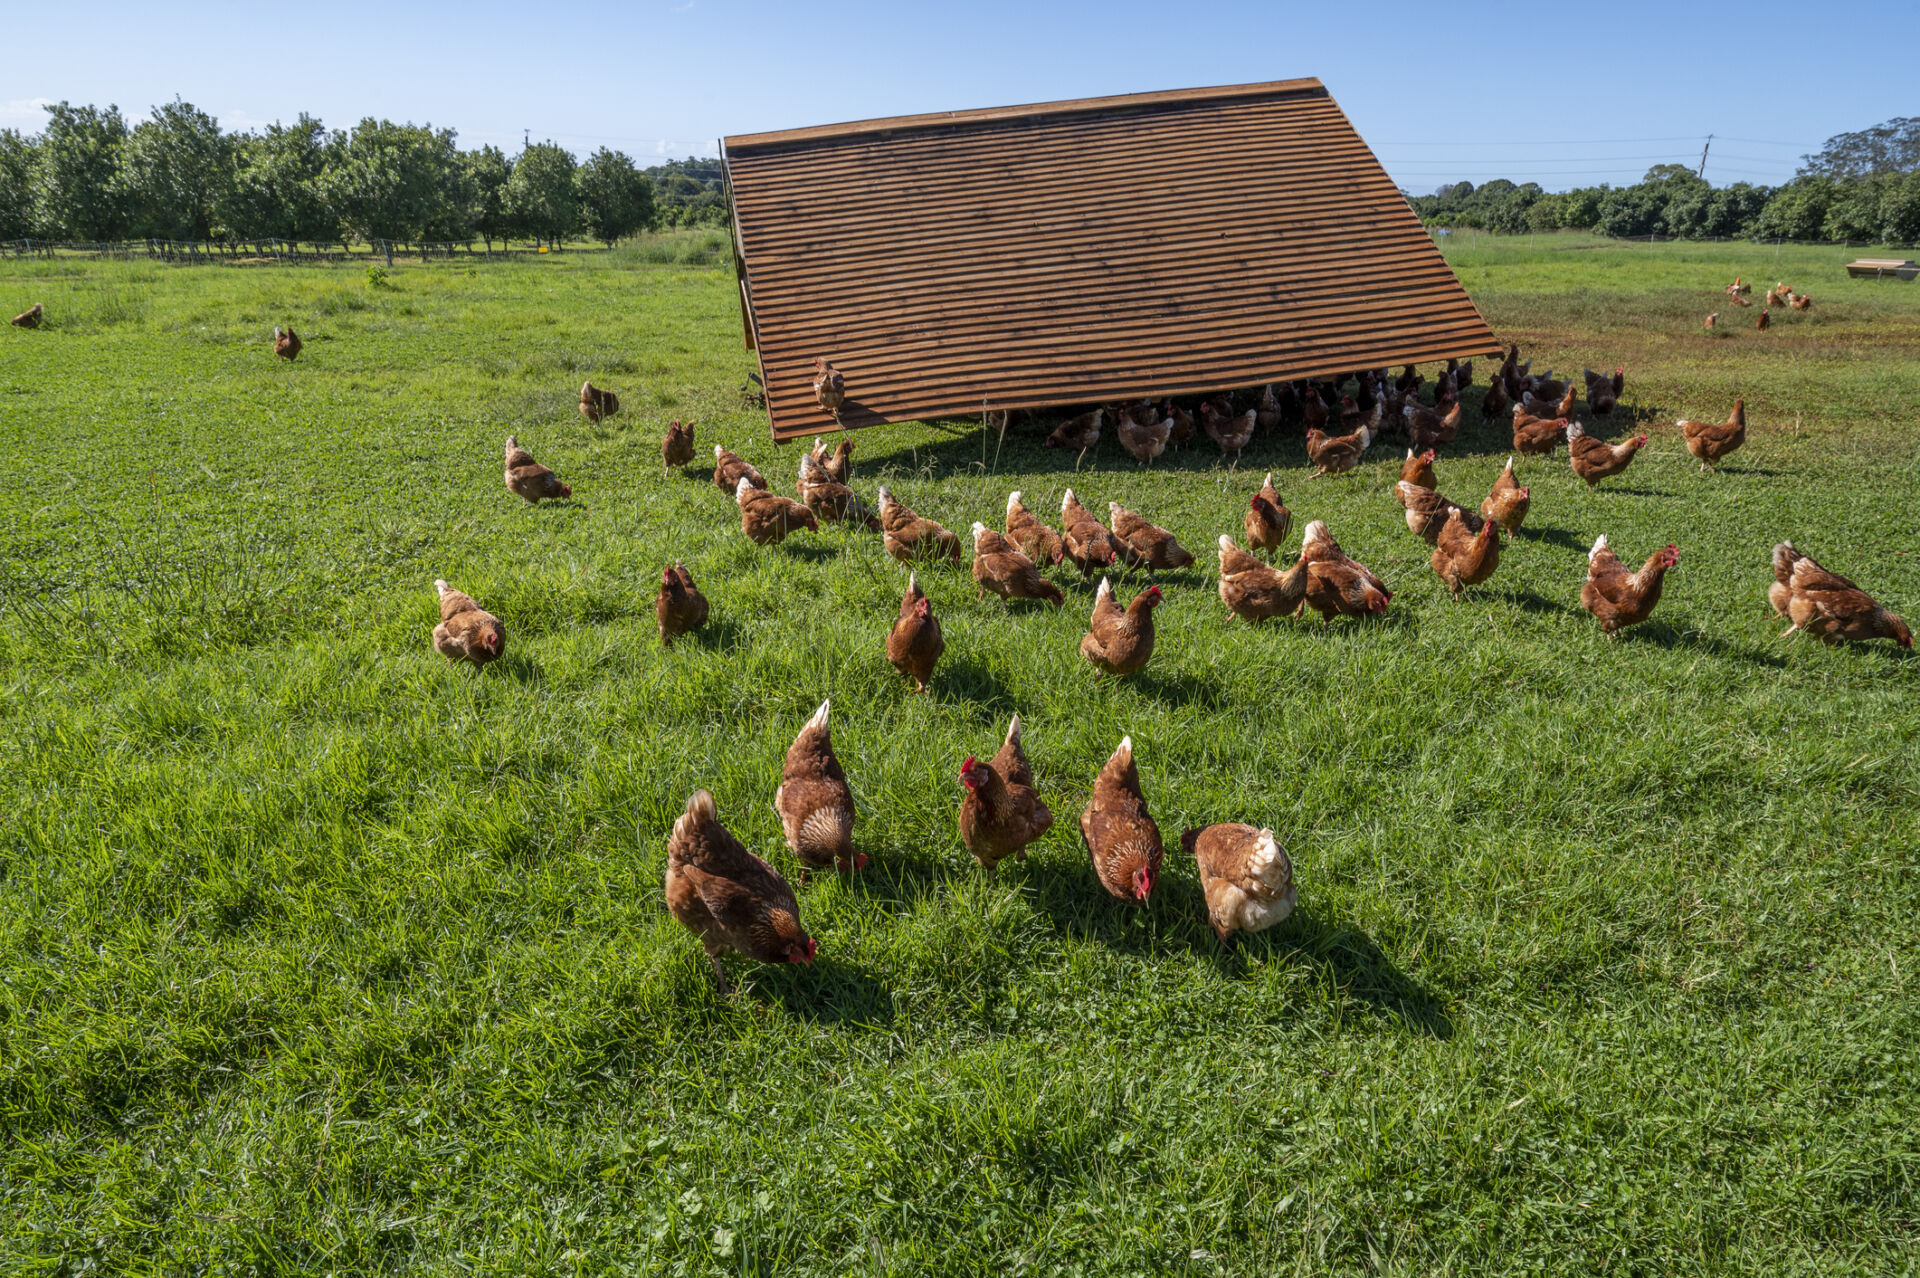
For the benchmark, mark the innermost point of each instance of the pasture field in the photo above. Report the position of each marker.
(318, 955)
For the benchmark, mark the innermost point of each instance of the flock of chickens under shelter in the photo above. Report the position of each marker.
(736, 902)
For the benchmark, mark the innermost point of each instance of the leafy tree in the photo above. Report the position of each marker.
(541, 198)
(392, 181)
(278, 187)
(1632, 210)
(615, 197)
(1892, 147)
(690, 192)
(1854, 213)
(1900, 209)
(77, 195)
(18, 156)
(487, 174)
(176, 170)
(1798, 210)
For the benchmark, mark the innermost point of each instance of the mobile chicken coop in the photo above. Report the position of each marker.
(1078, 252)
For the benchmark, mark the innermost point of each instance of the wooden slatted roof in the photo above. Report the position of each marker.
(1079, 252)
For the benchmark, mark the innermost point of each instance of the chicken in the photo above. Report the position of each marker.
(1231, 433)
(1336, 454)
(1245, 875)
(31, 317)
(1538, 436)
(676, 447)
(1619, 598)
(915, 643)
(1409, 381)
(679, 607)
(1740, 301)
(839, 466)
(596, 404)
(1712, 319)
(1268, 521)
(286, 342)
(1266, 413)
(1182, 420)
(1000, 567)
(1765, 321)
(1826, 605)
(1427, 428)
(1143, 442)
(1352, 416)
(729, 470)
(1336, 585)
(814, 802)
(1119, 832)
(1154, 548)
(1462, 375)
(1418, 470)
(1603, 392)
(1548, 408)
(1036, 541)
(466, 632)
(527, 478)
(1086, 541)
(1001, 812)
(1710, 441)
(1119, 642)
(1463, 557)
(1254, 592)
(766, 518)
(1495, 402)
(828, 500)
(829, 386)
(1427, 511)
(1594, 460)
(1313, 409)
(1738, 286)
(1800, 302)
(1773, 299)
(728, 897)
(1076, 434)
(1507, 504)
(909, 537)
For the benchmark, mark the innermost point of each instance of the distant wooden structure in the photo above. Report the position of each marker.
(1070, 253)
(1881, 267)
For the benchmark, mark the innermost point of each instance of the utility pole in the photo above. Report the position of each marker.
(1701, 172)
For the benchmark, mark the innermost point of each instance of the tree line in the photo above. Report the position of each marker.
(1860, 186)
(89, 175)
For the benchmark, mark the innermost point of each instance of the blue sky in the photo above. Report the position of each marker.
(1475, 92)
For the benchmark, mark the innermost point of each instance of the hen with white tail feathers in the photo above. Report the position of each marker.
(814, 801)
(1246, 875)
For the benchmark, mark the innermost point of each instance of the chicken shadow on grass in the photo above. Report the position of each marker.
(968, 680)
(1353, 965)
(721, 635)
(1562, 537)
(812, 551)
(900, 882)
(1076, 906)
(1667, 635)
(1182, 689)
(1528, 601)
(520, 669)
(828, 991)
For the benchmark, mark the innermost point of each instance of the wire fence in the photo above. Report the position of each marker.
(278, 250)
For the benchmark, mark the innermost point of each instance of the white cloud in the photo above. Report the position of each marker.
(26, 114)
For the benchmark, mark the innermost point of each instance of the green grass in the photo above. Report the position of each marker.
(319, 955)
